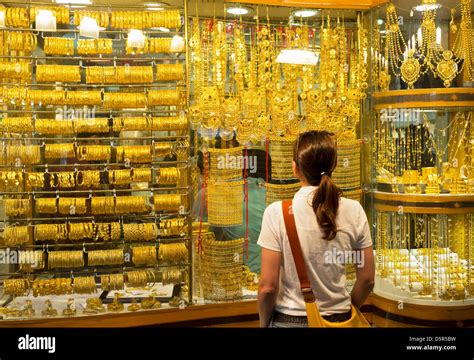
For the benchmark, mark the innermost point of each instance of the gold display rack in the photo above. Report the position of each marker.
(424, 98)
(110, 137)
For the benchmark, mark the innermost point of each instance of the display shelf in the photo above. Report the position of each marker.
(424, 98)
(152, 225)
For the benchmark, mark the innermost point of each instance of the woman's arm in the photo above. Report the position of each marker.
(365, 274)
(268, 285)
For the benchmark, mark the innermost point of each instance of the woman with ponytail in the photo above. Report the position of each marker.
(333, 231)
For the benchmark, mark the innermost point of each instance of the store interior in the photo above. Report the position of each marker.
(142, 143)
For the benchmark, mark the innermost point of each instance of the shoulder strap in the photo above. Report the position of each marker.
(296, 251)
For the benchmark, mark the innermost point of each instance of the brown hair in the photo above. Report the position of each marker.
(315, 156)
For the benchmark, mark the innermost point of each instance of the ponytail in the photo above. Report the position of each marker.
(325, 206)
(315, 155)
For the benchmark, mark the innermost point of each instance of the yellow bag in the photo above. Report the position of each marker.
(314, 317)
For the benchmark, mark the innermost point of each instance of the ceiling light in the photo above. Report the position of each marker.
(2, 18)
(154, 8)
(153, 4)
(238, 10)
(89, 28)
(163, 29)
(380, 22)
(45, 21)
(136, 38)
(305, 13)
(427, 5)
(78, 2)
(177, 44)
(297, 57)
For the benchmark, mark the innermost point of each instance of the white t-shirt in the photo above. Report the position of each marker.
(322, 257)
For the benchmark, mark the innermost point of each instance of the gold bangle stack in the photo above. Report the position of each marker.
(59, 151)
(173, 276)
(58, 46)
(169, 123)
(35, 180)
(17, 125)
(16, 287)
(20, 70)
(137, 123)
(119, 74)
(165, 97)
(111, 282)
(82, 97)
(88, 179)
(229, 193)
(124, 100)
(279, 192)
(131, 204)
(221, 270)
(54, 127)
(17, 235)
(145, 19)
(10, 180)
(21, 41)
(140, 232)
(72, 206)
(105, 257)
(162, 149)
(107, 231)
(94, 46)
(62, 180)
(51, 232)
(173, 252)
(347, 173)
(46, 206)
(152, 46)
(58, 73)
(102, 17)
(81, 231)
(134, 153)
(23, 154)
(31, 260)
(84, 285)
(140, 278)
(281, 150)
(57, 286)
(46, 97)
(95, 126)
(222, 169)
(172, 227)
(17, 207)
(119, 177)
(65, 259)
(94, 152)
(60, 13)
(167, 202)
(17, 17)
(169, 72)
(168, 175)
(103, 205)
(144, 255)
(141, 175)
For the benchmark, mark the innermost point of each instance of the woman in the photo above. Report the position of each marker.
(327, 226)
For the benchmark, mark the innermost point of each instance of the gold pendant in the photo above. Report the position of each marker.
(410, 70)
(447, 68)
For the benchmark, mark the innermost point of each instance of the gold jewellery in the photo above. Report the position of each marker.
(58, 46)
(173, 252)
(105, 257)
(144, 255)
(65, 259)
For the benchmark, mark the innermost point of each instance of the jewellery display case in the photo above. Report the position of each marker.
(243, 98)
(95, 169)
(421, 150)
